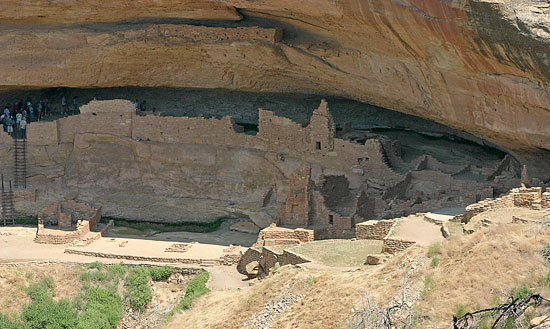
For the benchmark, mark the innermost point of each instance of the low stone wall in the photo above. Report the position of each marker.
(45, 238)
(181, 270)
(268, 258)
(87, 218)
(393, 246)
(374, 229)
(207, 34)
(382, 230)
(331, 232)
(273, 235)
(531, 198)
(291, 258)
(220, 261)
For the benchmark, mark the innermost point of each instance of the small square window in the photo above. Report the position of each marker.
(330, 219)
(318, 145)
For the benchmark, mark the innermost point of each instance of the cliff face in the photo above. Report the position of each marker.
(479, 66)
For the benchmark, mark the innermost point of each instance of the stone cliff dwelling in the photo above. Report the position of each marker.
(311, 176)
(273, 164)
(67, 221)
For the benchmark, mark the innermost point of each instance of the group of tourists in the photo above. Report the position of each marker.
(15, 118)
(142, 106)
(66, 109)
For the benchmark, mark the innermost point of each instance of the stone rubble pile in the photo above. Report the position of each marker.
(273, 309)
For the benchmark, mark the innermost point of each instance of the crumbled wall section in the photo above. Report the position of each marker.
(268, 258)
(374, 229)
(315, 143)
(393, 246)
(65, 214)
(532, 198)
(110, 106)
(273, 235)
(297, 207)
(382, 230)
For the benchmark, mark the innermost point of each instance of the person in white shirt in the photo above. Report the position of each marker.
(23, 127)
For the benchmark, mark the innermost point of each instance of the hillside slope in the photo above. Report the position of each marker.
(474, 272)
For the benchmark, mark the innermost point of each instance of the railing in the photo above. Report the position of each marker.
(8, 210)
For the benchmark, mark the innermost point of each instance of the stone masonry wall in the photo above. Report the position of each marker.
(532, 198)
(276, 134)
(297, 207)
(267, 258)
(393, 246)
(66, 212)
(374, 229)
(272, 235)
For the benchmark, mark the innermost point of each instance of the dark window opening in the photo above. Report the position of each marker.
(330, 219)
(318, 145)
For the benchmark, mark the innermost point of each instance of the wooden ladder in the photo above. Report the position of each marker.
(20, 163)
(8, 209)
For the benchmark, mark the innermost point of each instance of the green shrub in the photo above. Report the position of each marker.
(434, 249)
(7, 323)
(94, 277)
(46, 314)
(39, 291)
(195, 289)
(137, 276)
(520, 292)
(117, 271)
(105, 301)
(97, 265)
(435, 261)
(93, 319)
(459, 310)
(137, 292)
(428, 285)
(161, 273)
(138, 297)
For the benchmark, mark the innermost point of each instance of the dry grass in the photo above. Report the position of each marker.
(327, 303)
(480, 269)
(473, 271)
(14, 280)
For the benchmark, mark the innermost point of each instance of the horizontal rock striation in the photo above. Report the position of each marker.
(475, 65)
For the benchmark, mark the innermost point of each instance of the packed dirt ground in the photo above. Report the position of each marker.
(472, 272)
(439, 278)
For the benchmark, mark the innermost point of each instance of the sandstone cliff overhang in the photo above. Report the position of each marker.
(475, 65)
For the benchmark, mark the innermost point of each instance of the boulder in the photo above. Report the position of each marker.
(373, 260)
(245, 227)
(445, 231)
(253, 269)
(541, 322)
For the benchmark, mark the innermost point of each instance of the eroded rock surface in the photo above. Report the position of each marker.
(476, 65)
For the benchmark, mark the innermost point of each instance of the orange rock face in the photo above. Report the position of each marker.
(476, 65)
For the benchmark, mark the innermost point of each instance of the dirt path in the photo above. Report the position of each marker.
(415, 228)
(226, 278)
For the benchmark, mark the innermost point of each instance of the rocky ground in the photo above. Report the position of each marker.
(471, 272)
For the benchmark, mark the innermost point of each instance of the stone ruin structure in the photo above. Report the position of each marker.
(532, 198)
(202, 169)
(66, 222)
(382, 230)
(274, 236)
